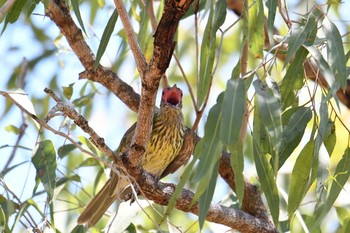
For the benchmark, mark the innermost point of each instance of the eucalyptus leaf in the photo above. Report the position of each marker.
(106, 36)
(341, 176)
(44, 161)
(232, 111)
(335, 51)
(300, 178)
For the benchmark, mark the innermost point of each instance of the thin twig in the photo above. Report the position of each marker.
(130, 34)
(24, 125)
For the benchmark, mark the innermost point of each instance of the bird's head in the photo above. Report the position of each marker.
(172, 96)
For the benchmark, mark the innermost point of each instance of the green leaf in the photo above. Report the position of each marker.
(237, 163)
(325, 70)
(33, 4)
(80, 229)
(106, 37)
(3, 220)
(8, 206)
(216, 19)
(341, 176)
(272, 6)
(232, 111)
(300, 178)
(12, 129)
(64, 180)
(86, 142)
(207, 196)
(83, 101)
(183, 179)
(321, 160)
(293, 131)
(299, 36)
(14, 13)
(343, 213)
(211, 147)
(65, 150)
(322, 128)
(76, 9)
(257, 21)
(68, 91)
(89, 162)
(211, 144)
(264, 169)
(330, 141)
(335, 51)
(270, 114)
(293, 79)
(44, 161)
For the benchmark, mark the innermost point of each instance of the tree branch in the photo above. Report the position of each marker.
(140, 60)
(58, 12)
(164, 45)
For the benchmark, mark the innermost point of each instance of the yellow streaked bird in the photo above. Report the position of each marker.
(165, 143)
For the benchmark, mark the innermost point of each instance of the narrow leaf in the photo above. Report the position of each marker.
(76, 9)
(299, 36)
(293, 132)
(88, 144)
(65, 149)
(216, 18)
(257, 35)
(232, 111)
(44, 161)
(270, 114)
(293, 79)
(300, 178)
(14, 13)
(341, 176)
(237, 163)
(211, 144)
(183, 179)
(331, 139)
(264, 169)
(272, 6)
(106, 37)
(335, 51)
(207, 196)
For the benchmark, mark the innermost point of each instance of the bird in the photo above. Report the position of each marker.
(160, 154)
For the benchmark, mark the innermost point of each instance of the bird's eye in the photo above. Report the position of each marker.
(163, 93)
(181, 94)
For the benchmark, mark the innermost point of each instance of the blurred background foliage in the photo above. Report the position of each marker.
(287, 119)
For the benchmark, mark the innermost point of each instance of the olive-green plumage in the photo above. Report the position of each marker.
(165, 143)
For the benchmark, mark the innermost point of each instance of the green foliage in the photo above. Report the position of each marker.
(295, 134)
(264, 168)
(208, 48)
(300, 178)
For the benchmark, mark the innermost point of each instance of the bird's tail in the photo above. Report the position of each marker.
(103, 200)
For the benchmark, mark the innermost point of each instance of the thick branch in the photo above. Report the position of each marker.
(164, 45)
(252, 202)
